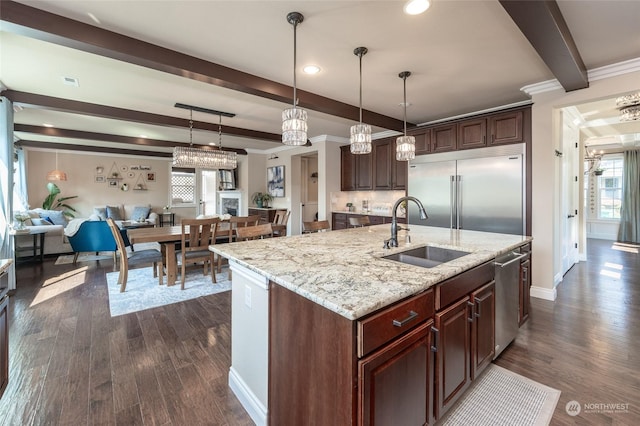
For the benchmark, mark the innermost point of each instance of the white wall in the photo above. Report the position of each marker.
(546, 122)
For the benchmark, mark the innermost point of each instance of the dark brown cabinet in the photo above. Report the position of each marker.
(396, 382)
(444, 138)
(483, 341)
(506, 128)
(341, 220)
(266, 215)
(472, 133)
(524, 285)
(423, 141)
(378, 170)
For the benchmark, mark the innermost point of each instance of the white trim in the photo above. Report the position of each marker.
(254, 407)
(257, 279)
(474, 113)
(601, 73)
(544, 293)
(557, 279)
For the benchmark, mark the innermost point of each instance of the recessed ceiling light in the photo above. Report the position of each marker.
(71, 81)
(212, 143)
(311, 69)
(143, 136)
(402, 104)
(47, 125)
(416, 7)
(93, 18)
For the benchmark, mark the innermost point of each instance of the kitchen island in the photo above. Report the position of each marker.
(302, 308)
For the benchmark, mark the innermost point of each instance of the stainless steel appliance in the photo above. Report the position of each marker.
(479, 189)
(507, 298)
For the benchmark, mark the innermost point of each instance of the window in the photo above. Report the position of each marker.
(609, 186)
(183, 187)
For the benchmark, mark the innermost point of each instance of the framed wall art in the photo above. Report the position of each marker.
(275, 181)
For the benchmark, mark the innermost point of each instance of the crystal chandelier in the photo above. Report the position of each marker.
(57, 174)
(629, 106)
(360, 133)
(405, 145)
(204, 158)
(294, 120)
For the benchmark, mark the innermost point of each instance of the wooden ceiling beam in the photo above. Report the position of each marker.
(104, 137)
(104, 111)
(90, 148)
(39, 24)
(544, 26)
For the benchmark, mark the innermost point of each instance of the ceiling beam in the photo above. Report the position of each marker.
(104, 111)
(545, 28)
(39, 24)
(89, 148)
(104, 137)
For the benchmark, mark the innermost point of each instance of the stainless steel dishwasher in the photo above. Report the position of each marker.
(507, 299)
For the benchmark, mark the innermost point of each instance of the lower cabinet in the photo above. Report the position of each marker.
(341, 220)
(395, 384)
(525, 285)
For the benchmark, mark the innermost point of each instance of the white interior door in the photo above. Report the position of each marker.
(569, 198)
(208, 192)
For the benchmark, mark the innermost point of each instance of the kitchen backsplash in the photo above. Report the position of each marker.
(375, 202)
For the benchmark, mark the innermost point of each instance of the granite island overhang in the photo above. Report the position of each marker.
(344, 270)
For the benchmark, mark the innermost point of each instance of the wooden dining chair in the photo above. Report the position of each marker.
(279, 224)
(236, 222)
(254, 232)
(315, 226)
(359, 221)
(197, 236)
(134, 258)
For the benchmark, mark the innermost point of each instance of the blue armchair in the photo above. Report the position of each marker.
(94, 236)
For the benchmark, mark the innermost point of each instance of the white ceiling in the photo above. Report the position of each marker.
(464, 56)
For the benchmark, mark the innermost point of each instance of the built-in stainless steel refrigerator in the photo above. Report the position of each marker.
(480, 189)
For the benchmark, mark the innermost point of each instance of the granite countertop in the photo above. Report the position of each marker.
(361, 213)
(344, 272)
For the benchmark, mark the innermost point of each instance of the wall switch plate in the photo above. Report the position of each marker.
(247, 296)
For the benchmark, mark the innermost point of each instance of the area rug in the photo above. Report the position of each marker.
(143, 291)
(66, 259)
(501, 397)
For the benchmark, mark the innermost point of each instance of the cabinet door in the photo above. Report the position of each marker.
(395, 383)
(383, 156)
(452, 358)
(423, 141)
(525, 284)
(443, 138)
(347, 169)
(506, 128)
(472, 133)
(364, 171)
(339, 221)
(483, 337)
(400, 172)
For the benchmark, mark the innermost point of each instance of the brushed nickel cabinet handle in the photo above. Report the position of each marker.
(412, 315)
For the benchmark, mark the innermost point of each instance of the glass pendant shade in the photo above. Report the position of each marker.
(294, 127)
(186, 156)
(405, 145)
(405, 148)
(629, 107)
(631, 113)
(360, 139)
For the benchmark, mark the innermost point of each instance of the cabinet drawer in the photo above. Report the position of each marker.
(391, 322)
(457, 287)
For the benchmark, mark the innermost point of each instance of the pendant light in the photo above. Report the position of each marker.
(57, 174)
(211, 159)
(360, 133)
(294, 120)
(405, 145)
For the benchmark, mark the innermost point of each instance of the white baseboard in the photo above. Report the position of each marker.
(254, 407)
(544, 293)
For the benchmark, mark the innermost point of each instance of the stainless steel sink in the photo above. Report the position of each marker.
(426, 257)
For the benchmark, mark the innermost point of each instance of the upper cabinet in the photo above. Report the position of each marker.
(444, 138)
(472, 133)
(376, 171)
(506, 128)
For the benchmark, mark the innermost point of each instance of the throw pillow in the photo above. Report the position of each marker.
(140, 212)
(40, 221)
(101, 212)
(54, 216)
(114, 213)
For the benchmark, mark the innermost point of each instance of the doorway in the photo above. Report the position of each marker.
(309, 188)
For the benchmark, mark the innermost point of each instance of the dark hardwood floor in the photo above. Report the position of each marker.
(71, 363)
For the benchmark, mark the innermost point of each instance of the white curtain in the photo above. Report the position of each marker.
(6, 184)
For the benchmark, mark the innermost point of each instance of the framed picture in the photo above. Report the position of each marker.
(151, 177)
(99, 179)
(275, 181)
(113, 183)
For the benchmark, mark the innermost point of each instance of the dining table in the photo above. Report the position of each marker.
(168, 236)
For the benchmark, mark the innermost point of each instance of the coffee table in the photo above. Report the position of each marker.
(127, 224)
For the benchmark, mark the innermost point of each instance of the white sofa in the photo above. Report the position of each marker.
(55, 242)
(125, 213)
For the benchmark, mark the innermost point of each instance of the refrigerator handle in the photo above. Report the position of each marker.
(458, 200)
(452, 199)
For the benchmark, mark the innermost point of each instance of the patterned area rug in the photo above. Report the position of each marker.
(84, 257)
(501, 397)
(143, 291)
